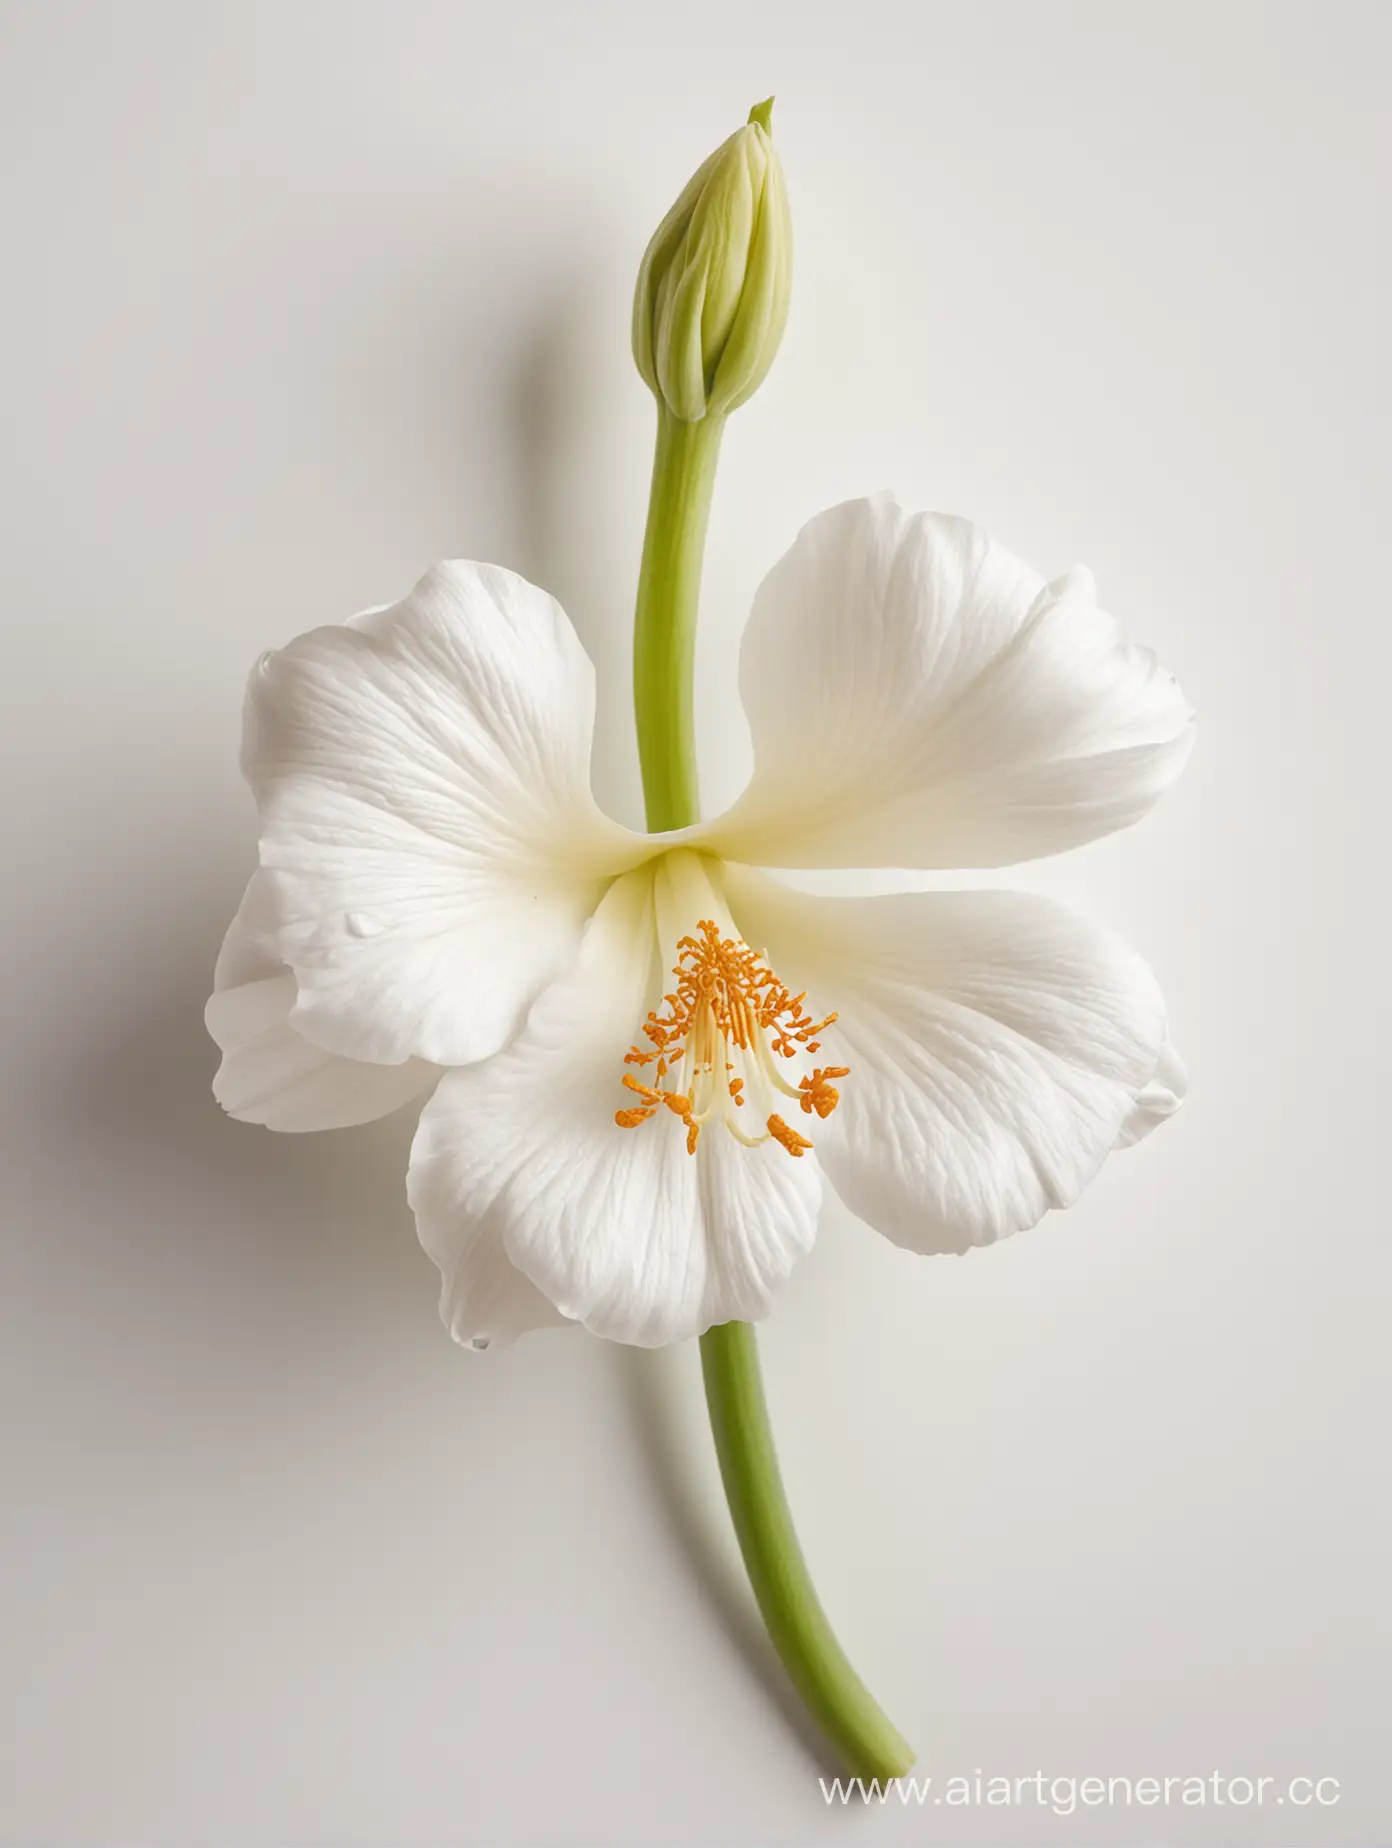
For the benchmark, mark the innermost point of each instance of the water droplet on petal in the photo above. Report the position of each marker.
(479, 1344)
(359, 926)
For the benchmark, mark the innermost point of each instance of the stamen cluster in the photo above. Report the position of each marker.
(719, 1031)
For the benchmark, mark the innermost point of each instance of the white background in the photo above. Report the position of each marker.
(299, 298)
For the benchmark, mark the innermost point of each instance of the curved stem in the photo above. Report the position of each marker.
(664, 641)
(833, 1693)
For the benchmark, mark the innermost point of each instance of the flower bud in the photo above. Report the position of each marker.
(712, 296)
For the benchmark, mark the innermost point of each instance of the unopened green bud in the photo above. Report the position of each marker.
(712, 296)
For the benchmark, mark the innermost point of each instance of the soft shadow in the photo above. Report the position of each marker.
(255, 1280)
(585, 427)
(654, 1391)
(194, 1196)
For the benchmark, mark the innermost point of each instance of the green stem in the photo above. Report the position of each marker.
(664, 641)
(664, 626)
(833, 1693)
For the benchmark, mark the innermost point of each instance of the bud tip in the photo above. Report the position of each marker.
(712, 295)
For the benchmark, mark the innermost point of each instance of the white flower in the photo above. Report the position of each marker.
(441, 905)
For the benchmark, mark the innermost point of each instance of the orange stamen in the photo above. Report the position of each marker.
(727, 1002)
(791, 1140)
(817, 1094)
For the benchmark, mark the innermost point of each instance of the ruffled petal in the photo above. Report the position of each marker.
(996, 1043)
(920, 698)
(619, 1229)
(485, 1301)
(272, 1075)
(429, 837)
(1159, 1098)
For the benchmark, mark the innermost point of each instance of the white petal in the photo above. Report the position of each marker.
(620, 1229)
(1159, 1098)
(271, 1074)
(428, 831)
(245, 955)
(920, 698)
(485, 1301)
(996, 1043)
